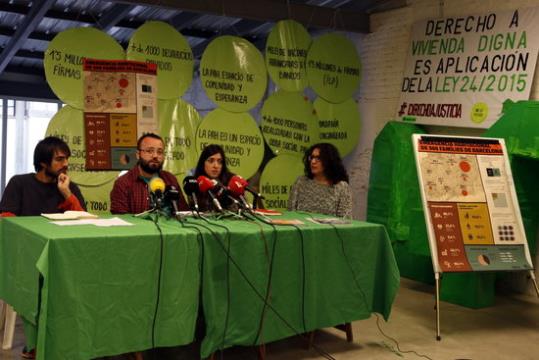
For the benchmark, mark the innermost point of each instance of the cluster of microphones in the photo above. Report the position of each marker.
(222, 196)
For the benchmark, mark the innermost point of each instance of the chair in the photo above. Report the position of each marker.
(8, 318)
(346, 327)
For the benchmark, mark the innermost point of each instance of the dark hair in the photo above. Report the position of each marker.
(208, 151)
(45, 149)
(149, 135)
(331, 161)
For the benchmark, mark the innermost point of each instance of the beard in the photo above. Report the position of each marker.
(149, 167)
(55, 174)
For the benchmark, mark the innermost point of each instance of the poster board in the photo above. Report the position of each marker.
(469, 200)
(120, 105)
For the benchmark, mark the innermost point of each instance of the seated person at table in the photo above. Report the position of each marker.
(324, 189)
(48, 190)
(130, 193)
(212, 164)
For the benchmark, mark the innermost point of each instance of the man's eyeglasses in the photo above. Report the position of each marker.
(313, 158)
(151, 151)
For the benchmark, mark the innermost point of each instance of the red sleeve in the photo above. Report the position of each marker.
(118, 198)
(71, 203)
(7, 214)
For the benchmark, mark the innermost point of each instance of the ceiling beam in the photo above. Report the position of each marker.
(113, 16)
(266, 10)
(25, 28)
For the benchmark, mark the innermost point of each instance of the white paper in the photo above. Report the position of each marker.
(115, 221)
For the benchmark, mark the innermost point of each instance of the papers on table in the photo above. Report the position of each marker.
(97, 222)
(333, 221)
(70, 215)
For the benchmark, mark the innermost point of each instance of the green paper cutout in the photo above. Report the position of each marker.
(286, 53)
(339, 124)
(233, 73)
(239, 136)
(333, 67)
(289, 123)
(178, 123)
(67, 124)
(63, 60)
(275, 184)
(159, 43)
(97, 198)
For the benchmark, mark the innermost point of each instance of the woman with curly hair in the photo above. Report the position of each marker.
(324, 189)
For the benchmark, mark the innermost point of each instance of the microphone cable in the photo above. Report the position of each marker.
(161, 245)
(364, 297)
(258, 294)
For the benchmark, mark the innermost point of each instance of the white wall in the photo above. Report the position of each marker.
(383, 54)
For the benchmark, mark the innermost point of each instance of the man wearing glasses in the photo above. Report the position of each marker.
(130, 192)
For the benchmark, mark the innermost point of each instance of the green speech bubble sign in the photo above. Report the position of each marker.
(233, 73)
(178, 123)
(63, 60)
(97, 198)
(286, 52)
(239, 136)
(289, 123)
(333, 67)
(339, 124)
(68, 125)
(159, 43)
(275, 184)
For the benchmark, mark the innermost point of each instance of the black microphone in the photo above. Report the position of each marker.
(173, 196)
(225, 196)
(191, 188)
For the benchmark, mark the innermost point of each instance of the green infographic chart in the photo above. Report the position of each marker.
(333, 67)
(178, 123)
(63, 60)
(286, 53)
(275, 184)
(289, 123)
(239, 136)
(339, 124)
(233, 73)
(159, 43)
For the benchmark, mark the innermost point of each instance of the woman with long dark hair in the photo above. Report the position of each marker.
(212, 164)
(324, 188)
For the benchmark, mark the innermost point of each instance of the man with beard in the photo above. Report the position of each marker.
(49, 190)
(130, 192)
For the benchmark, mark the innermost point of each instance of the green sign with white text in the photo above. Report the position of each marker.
(275, 183)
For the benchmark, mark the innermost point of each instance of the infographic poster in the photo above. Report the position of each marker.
(120, 105)
(470, 204)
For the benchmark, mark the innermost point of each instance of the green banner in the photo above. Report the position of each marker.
(339, 124)
(275, 183)
(159, 43)
(333, 67)
(233, 73)
(286, 52)
(63, 60)
(68, 125)
(178, 122)
(289, 123)
(97, 198)
(239, 136)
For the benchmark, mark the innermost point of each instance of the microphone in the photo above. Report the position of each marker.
(191, 188)
(241, 181)
(237, 188)
(157, 188)
(207, 185)
(173, 196)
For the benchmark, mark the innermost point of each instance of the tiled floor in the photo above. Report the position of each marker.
(508, 330)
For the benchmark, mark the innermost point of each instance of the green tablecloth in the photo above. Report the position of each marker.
(99, 284)
(321, 276)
